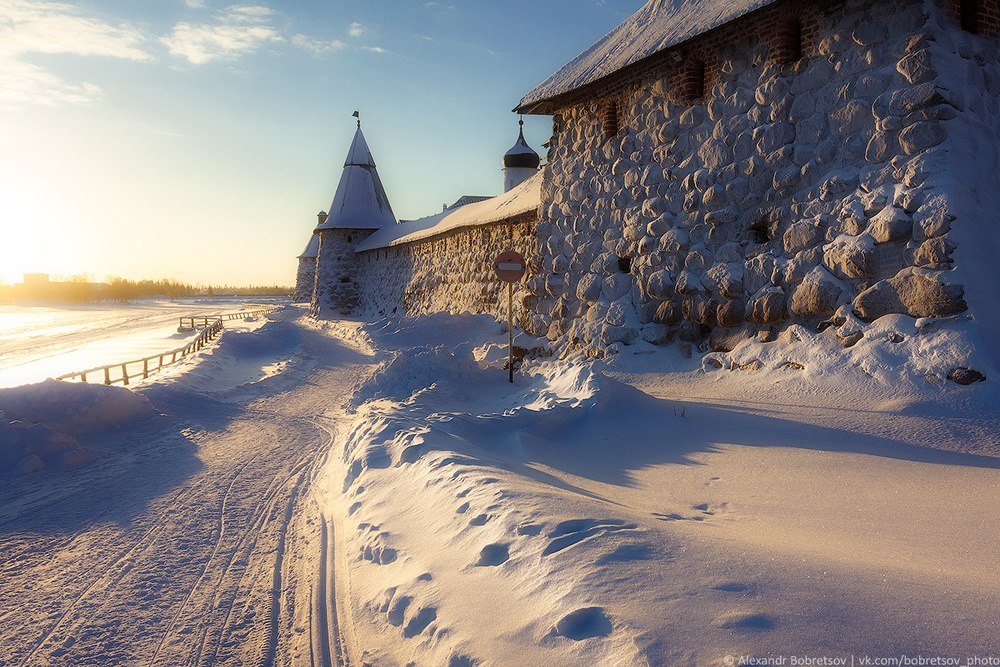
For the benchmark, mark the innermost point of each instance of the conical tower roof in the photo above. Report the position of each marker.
(360, 202)
(312, 248)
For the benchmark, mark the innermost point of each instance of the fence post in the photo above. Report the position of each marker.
(145, 369)
(83, 377)
(124, 375)
(107, 375)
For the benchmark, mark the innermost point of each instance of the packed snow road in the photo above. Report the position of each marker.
(192, 540)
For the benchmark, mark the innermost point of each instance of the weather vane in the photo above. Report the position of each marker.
(357, 114)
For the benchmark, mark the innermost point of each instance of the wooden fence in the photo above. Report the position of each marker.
(129, 370)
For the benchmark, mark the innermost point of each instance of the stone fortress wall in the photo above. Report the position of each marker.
(787, 166)
(798, 165)
(449, 273)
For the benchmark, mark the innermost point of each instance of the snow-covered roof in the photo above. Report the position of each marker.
(524, 198)
(360, 202)
(658, 25)
(312, 248)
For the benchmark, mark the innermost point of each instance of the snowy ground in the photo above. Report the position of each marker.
(381, 493)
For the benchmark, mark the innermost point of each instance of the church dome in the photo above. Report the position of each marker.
(521, 155)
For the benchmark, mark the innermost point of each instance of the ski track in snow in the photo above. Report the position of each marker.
(197, 542)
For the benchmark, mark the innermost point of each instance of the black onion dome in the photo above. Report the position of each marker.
(521, 155)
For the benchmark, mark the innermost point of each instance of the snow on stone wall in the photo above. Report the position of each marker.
(804, 191)
(337, 286)
(450, 273)
(305, 280)
(970, 67)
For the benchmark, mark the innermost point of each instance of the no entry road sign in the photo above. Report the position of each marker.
(509, 266)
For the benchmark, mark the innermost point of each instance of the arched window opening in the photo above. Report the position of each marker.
(969, 15)
(610, 120)
(789, 44)
(694, 81)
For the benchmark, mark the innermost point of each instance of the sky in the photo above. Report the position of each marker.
(197, 139)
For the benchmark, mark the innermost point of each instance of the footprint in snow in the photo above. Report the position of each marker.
(747, 622)
(626, 553)
(568, 533)
(397, 609)
(529, 529)
(674, 516)
(732, 587)
(419, 622)
(493, 554)
(480, 520)
(462, 509)
(584, 623)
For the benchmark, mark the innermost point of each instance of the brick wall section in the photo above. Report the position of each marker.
(768, 24)
(985, 14)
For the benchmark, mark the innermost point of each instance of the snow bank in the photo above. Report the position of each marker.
(489, 572)
(571, 518)
(248, 353)
(40, 424)
(895, 350)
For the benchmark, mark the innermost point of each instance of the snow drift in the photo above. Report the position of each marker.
(572, 518)
(40, 424)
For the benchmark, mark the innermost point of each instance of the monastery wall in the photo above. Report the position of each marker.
(305, 280)
(337, 272)
(739, 187)
(450, 273)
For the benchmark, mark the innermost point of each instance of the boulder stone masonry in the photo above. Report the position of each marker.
(750, 184)
(785, 191)
(450, 273)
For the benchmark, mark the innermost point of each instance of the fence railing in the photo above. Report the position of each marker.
(129, 370)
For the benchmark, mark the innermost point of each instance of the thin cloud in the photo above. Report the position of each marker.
(317, 46)
(239, 29)
(52, 27)
(355, 29)
(374, 49)
(30, 27)
(195, 4)
(25, 84)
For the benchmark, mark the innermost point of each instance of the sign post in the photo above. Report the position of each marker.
(509, 266)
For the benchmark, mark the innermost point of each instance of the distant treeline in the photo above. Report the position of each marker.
(121, 290)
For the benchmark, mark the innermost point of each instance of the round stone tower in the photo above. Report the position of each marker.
(519, 163)
(305, 278)
(359, 209)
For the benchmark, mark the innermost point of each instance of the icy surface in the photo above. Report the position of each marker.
(39, 342)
